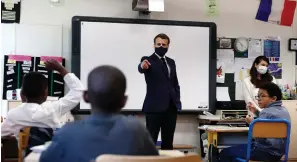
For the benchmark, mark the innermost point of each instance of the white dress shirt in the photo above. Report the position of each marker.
(250, 92)
(46, 115)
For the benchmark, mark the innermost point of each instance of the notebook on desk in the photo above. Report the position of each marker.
(222, 127)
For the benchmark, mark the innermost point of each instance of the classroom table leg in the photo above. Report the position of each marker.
(215, 139)
(209, 138)
(212, 144)
(212, 138)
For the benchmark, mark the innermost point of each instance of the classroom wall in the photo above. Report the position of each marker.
(236, 19)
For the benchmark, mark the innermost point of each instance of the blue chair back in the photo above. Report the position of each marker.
(269, 128)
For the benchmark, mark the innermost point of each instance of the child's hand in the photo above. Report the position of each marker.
(249, 119)
(55, 65)
(251, 107)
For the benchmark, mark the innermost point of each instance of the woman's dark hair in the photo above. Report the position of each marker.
(265, 78)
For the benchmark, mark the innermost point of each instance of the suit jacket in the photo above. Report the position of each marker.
(161, 89)
(98, 134)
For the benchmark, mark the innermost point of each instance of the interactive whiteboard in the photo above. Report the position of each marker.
(123, 42)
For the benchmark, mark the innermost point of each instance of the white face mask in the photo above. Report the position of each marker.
(262, 69)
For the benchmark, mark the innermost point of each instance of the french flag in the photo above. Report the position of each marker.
(280, 12)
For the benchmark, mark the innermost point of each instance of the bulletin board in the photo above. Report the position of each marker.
(14, 70)
(28, 39)
(235, 66)
(55, 80)
(16, 66)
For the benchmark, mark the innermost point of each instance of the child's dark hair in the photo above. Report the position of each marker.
(34, 85)
(272, 90)
(106, 88)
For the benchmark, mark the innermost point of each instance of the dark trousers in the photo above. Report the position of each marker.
(38, 136)
(240, 151)
(166, 121)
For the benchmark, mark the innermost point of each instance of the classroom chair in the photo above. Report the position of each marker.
(9, 149)
(38, 136)
(120, 158)
(268, 128)
(23, 142)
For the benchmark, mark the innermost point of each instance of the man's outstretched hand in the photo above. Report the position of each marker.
(55, 65)
(145, 64)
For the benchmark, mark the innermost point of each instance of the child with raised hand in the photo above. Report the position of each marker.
(35, 110)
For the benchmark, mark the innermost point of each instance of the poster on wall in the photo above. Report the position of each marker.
(10, 11)
(55, 80)
(275, 70)
(242, 68)
(272, 50)
(255, 48)
(212, 8)
(15, 67)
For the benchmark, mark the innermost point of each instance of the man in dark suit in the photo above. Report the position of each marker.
(162, 100)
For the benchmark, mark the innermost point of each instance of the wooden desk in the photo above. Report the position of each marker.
(183, 148)
(214, 130)
(216, 118)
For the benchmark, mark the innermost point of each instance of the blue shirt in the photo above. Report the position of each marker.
(274, 146)
(84, 140)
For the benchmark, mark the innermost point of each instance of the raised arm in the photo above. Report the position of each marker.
(66, 103)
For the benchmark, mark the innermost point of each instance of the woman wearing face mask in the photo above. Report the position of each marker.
(259, 75)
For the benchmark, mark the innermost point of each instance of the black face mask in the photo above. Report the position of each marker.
(161, 51)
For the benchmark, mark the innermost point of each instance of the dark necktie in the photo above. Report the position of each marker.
(165, 66)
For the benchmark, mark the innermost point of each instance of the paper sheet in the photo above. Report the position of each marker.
(225, 59)
(221, 79)
(255, 48)
(223, 94)
(238, 91)
(275, 69)
(272, 50)
(212, 8)
(156, 5)
(242, 68)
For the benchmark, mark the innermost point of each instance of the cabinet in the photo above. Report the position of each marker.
(291, 105)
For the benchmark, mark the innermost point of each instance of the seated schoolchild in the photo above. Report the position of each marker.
(35, 111)
(269, 98)
(105, 131)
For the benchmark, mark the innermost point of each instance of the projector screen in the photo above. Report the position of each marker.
(123, 42)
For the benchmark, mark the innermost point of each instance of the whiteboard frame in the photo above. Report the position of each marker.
(76, 52)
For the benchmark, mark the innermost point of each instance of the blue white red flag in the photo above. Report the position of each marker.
(280, 12)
